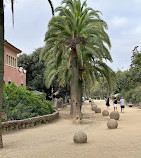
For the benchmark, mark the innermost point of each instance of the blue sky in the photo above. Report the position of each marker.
(32, 16)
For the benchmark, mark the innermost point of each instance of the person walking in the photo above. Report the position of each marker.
(122, 104)
(82, 99)
(89, 100)
(115, 104)
(107, 102)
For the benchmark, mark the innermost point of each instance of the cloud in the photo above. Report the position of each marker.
(118, 22)
(32, 17)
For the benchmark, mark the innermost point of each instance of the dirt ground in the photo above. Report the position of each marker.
(55, 140)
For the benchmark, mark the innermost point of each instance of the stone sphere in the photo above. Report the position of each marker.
(112, 124)
(114, 115)
(105, 113)
(93, 107)
(97, 110)
(80, 137)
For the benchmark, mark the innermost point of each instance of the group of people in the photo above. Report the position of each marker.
(83, 99)
(115, 103)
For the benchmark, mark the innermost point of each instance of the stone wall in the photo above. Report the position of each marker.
(27, 123)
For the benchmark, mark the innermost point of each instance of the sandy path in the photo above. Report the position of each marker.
(54, 140)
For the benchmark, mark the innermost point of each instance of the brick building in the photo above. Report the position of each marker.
(12, 73)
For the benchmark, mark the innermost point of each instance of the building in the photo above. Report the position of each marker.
(12, 73)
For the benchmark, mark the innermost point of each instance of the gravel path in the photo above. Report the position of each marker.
(55, 140)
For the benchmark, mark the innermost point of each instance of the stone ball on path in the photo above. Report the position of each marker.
(114, 115)
(93, 107)
(112, 124)
(105, 113)
(80, 137)
(97, 110)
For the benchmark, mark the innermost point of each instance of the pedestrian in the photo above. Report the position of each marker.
(115, 104)
(122, 104)
(89, 100)
(82, 99)
(107, 102)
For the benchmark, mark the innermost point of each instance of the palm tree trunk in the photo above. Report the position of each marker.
(1, 64)
(80, 86)
(74, 85)
(71, 107)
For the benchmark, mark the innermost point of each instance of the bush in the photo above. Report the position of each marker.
(134, 95)
(20, 103)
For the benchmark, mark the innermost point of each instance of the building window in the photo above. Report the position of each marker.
(7, 60)
(11, 61)
(21, 84)
(9, 82)
(15, 63)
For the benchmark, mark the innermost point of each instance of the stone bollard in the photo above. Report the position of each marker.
(105, 113)
(80, 137)
(112, 124)
(114, 115)
(93, 107)
(97, 110)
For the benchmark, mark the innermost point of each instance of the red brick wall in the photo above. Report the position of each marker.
(11, 72)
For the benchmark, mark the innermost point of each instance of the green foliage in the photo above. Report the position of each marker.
(133, 95)
(35, 70)
(35, 74)
(20, 103)
(128, 83)
(80, 27)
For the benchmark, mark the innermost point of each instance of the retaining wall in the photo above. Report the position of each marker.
(27, 123)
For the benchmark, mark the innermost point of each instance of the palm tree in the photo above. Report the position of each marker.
(76, 26)
(91, 71)
(2, 55)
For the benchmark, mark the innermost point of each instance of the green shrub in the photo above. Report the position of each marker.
(134, 95)
(20, 103)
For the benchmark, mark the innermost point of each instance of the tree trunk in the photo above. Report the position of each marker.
(80, 88)
(1, 64)
(71, 107)
(74, 85)
(108, 91)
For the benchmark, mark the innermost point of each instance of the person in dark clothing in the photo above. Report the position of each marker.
(107, 102)
(115, 104)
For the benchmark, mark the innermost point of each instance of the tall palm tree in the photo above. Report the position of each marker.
(76, 26)
(2, 55)
(88, 74)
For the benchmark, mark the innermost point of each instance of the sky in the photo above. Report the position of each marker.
(31, 19)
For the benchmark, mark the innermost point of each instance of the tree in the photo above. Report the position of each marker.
(76, 26)
(1, 64)
(2, 55)
(35, 70)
